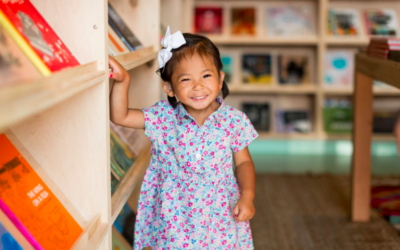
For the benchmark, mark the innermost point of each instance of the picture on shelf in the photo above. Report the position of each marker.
(257, 68)
(208, 20)
(343, 22)
(122, 30)
(339, 67)
(15, 66)
(26, 199)
(293, 69)
(290, 21)
(338, 115)
(259, 114)
(293, 121)
(381, 22)
(243, 21)
(227, 62)
(35, 37)
(121, 156)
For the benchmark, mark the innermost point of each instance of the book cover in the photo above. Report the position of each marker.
(35, 37)
(121, 156)
(31, 205)
(343, 22)
(7, 241)
(115, 41)
(289, 121)
(338, 115)
(243, 21)
(122, 29)
(131, 137)
(339, 68)
(227, 62)
(208, 20)
(293, 69)
(257, 68)
(290, 21)
(15, 66)
(259, 115)
(381, 22)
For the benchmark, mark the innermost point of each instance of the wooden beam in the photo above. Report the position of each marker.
(362, 134)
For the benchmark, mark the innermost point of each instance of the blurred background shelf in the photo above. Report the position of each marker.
(237, 40)
(272, 89)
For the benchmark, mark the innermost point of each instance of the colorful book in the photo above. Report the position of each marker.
(116, 42)
(293, 69)
(131, 137)
(243, 21)
(259, 114)
(381, 22)
(290, 21)
(122, 157)
(35, 37)
(227, 62)
(293, 121)
(122, 30)
(339, 68)
(257, 68)
(7, 241)
(15, 66)
(208, 20)
(31, 205)
(343, 22)
(114, 183)
(338, 115)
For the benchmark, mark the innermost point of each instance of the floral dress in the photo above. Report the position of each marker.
(189, 189)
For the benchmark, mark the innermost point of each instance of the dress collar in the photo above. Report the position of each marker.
(217, 115)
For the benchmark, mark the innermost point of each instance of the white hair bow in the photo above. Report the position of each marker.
(169, 42)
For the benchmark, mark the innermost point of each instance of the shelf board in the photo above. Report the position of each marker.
(248, 40)
(21, 101)
(136, 58)
(275, 135)
(347, 41)
(272, 89)
(129, 182)
(378, 91)
(92, 235)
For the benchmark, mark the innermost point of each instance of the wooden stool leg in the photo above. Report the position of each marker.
(362, 133)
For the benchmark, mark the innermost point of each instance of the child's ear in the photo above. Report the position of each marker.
(167, 87)
(221, 78)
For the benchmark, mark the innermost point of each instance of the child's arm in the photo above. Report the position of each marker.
(119, 112)
(244, 208)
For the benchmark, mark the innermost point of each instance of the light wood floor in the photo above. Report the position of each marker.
(299, 212)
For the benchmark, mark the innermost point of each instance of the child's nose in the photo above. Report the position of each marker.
(198, 85)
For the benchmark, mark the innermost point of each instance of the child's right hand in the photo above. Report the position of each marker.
(118, 73)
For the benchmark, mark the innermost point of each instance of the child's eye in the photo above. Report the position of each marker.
(208, 75)
(184, 80)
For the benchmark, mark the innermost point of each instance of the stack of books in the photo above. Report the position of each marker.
(382, 47)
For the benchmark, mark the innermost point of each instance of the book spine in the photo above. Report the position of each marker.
(114, 27)
(23, 44)
(18, 224)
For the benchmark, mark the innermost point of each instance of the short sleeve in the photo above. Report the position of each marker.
(243, 132)
(153, 120)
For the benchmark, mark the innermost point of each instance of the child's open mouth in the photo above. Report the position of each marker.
(199, 98)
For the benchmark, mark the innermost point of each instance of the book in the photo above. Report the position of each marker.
(339, 68)
(125, 223)
(384, 122)
(7, 241)
(381, 22)
(293, 69)
(289, 121)
(243, 21)
(122, 30)
(257, 68)
(208, 20)
(134, 139)
(115, 41)
(338, 115)
(15, 66)
(290, 21)
(343, 22)
(259, 114)
(30, 204)
(35, 37)
(227, 62)
(118, 242)
(114, 183)
(122, 157)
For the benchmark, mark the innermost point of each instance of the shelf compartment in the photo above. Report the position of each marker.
(272, 89)
(248, 40)
(277, 136)
(129, 182)
(344, 91)
(21, 101)
(347, 41)
(136, 58)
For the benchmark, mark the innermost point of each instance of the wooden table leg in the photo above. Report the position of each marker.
(362, 133)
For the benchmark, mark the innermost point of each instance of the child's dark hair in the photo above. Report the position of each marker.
(194, 44)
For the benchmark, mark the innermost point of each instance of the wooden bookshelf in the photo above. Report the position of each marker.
(319, 44)
(62, 121)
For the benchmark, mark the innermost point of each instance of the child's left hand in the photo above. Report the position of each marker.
(244, 209)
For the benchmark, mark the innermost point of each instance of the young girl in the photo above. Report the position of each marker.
(190, 198)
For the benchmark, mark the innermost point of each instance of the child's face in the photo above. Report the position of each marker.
(196, 82)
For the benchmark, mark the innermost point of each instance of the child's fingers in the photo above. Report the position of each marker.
(116, 76)
(235, 210)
